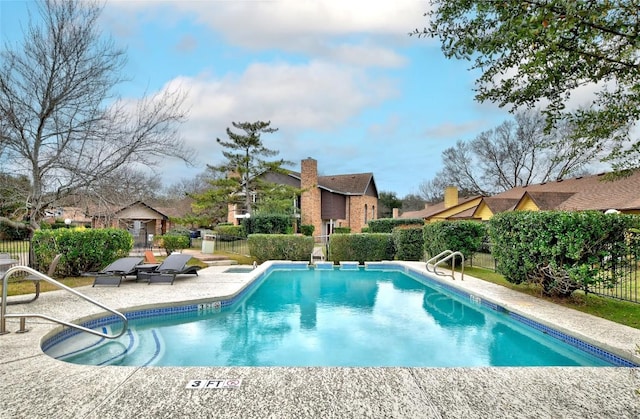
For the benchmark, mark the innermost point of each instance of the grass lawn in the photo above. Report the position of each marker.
(622, 312)
(240, 259)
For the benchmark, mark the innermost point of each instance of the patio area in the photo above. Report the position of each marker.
(34, 385)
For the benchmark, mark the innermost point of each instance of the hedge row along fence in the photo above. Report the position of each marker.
(265, 247)
(83, 250)
(408, 243)
(361, 247)
(465, 237)
(563, 251)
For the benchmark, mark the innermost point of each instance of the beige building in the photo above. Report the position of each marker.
(596, 192)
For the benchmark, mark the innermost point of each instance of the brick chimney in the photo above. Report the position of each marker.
(450, 196)
(310, 200)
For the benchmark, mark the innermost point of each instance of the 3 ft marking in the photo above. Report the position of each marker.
(214, 383)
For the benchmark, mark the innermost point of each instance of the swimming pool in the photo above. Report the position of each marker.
(381, 316)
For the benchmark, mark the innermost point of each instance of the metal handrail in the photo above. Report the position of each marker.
(436, 257)
(3, 305)
(450, 255)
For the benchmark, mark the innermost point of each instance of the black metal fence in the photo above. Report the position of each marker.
(231, 244)
(482, 260)
(617, 279)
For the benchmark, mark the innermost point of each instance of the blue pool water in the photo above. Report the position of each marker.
(331, 318)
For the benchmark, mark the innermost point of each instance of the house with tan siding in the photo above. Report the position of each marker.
(601, 192)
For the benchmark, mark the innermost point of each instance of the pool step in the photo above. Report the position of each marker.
(134, 348)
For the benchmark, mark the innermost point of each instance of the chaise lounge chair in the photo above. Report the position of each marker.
(175, 264)
(113, 273)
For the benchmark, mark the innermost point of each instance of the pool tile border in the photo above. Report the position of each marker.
(414, 273)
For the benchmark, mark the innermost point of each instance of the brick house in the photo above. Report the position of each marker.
(327, 202)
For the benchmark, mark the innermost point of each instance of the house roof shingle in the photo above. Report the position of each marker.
(593, 192)
(548, 200)
(497, 204)
(349, 184)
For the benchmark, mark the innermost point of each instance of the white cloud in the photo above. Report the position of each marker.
(317, 96)
(328, 28)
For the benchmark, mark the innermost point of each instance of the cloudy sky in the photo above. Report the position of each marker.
(341, 80)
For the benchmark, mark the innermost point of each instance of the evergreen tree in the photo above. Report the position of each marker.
(241, 177)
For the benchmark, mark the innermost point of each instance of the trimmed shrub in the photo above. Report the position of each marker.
(307, 229)
(230, 230)
(560, 250)
(409, 243)
(83, 250)
(265, 247)
(268, 224)
(342, 230)
(465, 237)
(361, 247)
(174, 242)
(386, 225)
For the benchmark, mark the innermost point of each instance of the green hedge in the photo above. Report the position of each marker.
(408, 243)
(307, 229)
(361, 247)
(265, 247)
(174, 242)
(342, 230)
(82, 250)
(465, 237)
(386, 225)
(230, 230)
(561, 251)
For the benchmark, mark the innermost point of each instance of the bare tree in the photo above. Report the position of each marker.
(195, 185)
(412, 202)
(61, 123)
(122, 187)
(516, 153)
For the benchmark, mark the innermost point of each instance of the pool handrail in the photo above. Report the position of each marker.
(436, 257)
(439, 259)
(41, 276)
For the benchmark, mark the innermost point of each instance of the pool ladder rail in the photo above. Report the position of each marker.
(443, 257)
(22, 316)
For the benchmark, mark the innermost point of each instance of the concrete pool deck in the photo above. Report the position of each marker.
(33, 385)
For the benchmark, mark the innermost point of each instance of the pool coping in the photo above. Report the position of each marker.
(35, 385)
